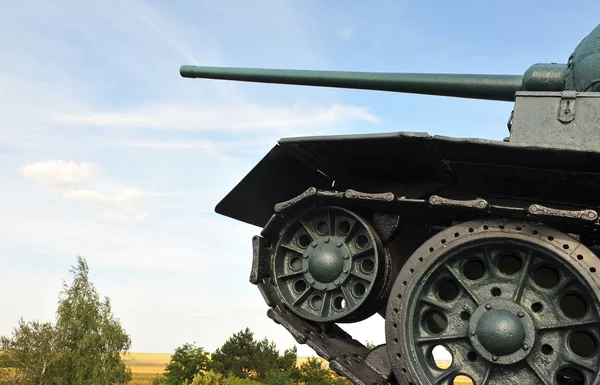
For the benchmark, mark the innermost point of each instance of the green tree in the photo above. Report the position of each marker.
(91, 336)
(313, 372)
(83, 348)
(31, 353)
(370, 345)
(243, 357)
(187, 361)
(241, 381)
(279, 377)
(208, 378)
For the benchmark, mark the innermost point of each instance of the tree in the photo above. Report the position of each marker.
(187, 361)
(243, 357)
(370, 345)
(208, 378)
(312, 372)
(31, 352)
(83, 348)
(279, 377)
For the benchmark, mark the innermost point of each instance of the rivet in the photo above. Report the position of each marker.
(473, 333)
(534, 208)
(336, 282)
(525, 347)
(346, 256)
(314, 243)
(306, 256)
(495, 358)
(305, 270)
(488, 306)
(327, 240)
(339, 244)
(346, 270)
(521, 315)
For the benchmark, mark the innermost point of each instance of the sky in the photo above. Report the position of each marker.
(106, 152)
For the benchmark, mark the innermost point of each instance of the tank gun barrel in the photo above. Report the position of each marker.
(548, 77)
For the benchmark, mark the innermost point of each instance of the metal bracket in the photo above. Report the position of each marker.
(566, 108)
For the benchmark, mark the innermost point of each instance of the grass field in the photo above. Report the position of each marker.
(145, 366)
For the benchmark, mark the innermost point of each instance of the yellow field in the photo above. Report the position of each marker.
(145, 366)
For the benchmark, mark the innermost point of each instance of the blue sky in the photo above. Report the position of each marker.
(108, 153)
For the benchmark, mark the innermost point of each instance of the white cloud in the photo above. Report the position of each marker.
(59, 173)
(123, 205)
(233, 117)
(164, 248)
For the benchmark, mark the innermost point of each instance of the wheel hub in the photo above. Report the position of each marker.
(326, 260)
(500, 332)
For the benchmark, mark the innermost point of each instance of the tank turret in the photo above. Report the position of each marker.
(485, 249)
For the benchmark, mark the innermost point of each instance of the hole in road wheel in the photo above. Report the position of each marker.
(573, 306)
(435, 321)
(447, 290)
(547, 349)
(569, 376)
(509, 264)
(316, 302)
(583, 344)
(300, 286)
(362, 241)
(537, 307)
(367, 265)
(344, 227)
(359, 289)
(496, 292)
(474, 269)
(462, 380)
(339, 303)
(465, 315)
(472, 356)
(295, 263)
(546, 277)
(441, 357)
(322, 228)
(304, 241)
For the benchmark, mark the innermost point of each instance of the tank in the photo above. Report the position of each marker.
(484, 249)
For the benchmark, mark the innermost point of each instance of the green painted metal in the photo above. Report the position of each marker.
(501, 297)
(493, 87)
(500, 332)
(512, 301)
(329, 265)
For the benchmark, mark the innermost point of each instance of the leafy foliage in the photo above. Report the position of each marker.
(83, 348)
(185, 364)
(33, 351)
(313, 372)
(243, 357)
(208, 378)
